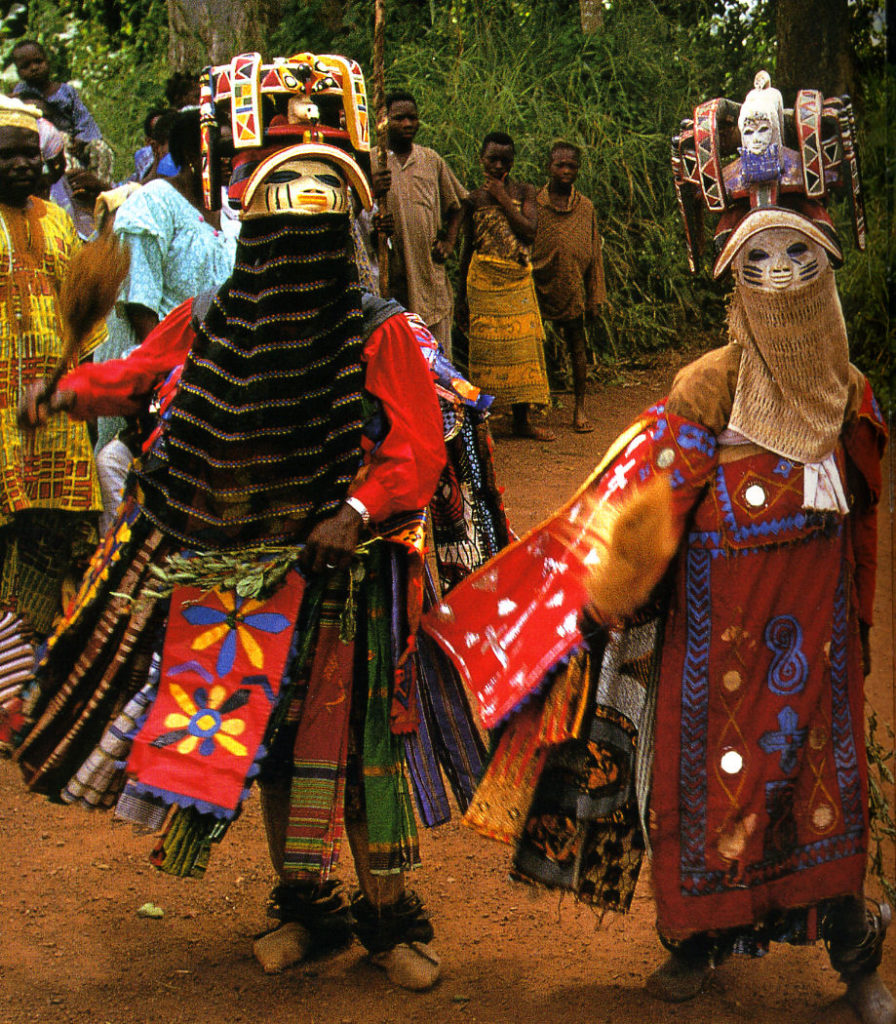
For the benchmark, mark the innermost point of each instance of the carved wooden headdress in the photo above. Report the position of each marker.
(810, 154)
(307, 107)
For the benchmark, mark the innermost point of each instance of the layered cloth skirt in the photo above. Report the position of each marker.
(168, 706)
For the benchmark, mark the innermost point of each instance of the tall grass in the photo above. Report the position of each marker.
(614, 95)
(524, 67)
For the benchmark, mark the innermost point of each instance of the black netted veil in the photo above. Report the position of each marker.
(264, 435)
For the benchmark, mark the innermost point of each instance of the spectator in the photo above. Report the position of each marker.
(145, 159)
(497, 301)
(425, 211)
(49, 494)
(182, 90)
(177, 250)
(567, 265)
(163, 165)
(61, 105)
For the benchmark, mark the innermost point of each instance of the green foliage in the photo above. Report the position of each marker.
(527, 69)
(866, 278)
(524, 66)
(116, 56)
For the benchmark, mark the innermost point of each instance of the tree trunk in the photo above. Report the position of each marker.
(592, 15)
(205, 32)
(814, 48)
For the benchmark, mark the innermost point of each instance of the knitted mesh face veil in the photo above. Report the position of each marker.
(785, 315)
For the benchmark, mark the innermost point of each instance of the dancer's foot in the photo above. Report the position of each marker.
(284, 947)
(411, 965)
(679, 978)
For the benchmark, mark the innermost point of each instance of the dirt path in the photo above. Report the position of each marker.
(72, 948)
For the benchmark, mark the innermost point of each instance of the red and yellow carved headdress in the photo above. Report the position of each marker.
(296, 129)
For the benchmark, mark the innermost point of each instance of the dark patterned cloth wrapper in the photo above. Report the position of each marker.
(264, 435)
(582, 831)
(468, 521)
(41, 551)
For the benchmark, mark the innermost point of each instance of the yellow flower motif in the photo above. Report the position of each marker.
(202, 722)
(232, 624)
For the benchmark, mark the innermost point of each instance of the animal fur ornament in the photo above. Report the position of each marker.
(633, 553)
(91, 285)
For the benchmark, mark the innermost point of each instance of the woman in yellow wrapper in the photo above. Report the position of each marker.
(496, 299)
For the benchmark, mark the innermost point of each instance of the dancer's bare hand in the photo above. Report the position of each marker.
(332, 542)
(38, 402)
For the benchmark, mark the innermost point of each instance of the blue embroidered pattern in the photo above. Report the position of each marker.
(845, 754)
(694, 878)
(786, 741)
(773, 529)
(695, 712)
(789, 668)
(691, 436)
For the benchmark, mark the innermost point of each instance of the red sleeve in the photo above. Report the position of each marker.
(119, 387)
(864, 439)
(404, 469)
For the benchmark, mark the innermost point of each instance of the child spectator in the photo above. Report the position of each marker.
(62, 106)
(567, 265)
(425, 214)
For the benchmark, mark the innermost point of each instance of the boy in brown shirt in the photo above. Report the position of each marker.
(567, 264)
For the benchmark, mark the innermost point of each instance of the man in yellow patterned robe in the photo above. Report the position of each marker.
(49, 493)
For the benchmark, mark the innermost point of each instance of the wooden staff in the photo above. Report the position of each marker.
(382, 133)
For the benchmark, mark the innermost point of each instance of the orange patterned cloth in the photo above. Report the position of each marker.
(222, 665)
(506, 332)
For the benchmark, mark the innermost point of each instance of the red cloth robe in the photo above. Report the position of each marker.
(759, 795)
(759, 800)
(402, 470)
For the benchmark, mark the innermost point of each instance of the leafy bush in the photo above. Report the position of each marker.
(524, 66)
(114, 54)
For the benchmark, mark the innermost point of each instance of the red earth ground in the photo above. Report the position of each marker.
(74, 951)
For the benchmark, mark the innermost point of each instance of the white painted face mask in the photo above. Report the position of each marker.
(757, 135)
(779, 259)
(300, 186)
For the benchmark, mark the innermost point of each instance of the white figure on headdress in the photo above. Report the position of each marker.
(761, 119)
